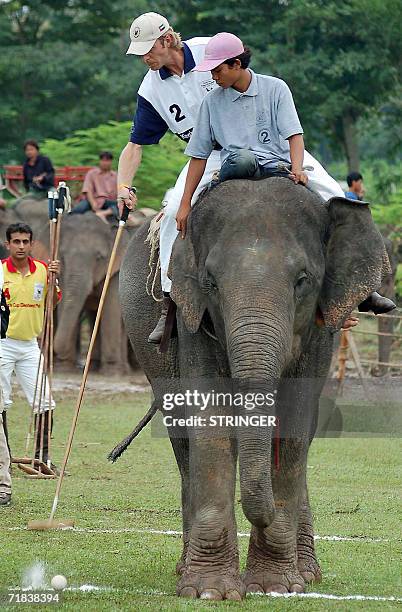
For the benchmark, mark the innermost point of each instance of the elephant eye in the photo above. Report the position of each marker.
(301, 282)
(208, 283)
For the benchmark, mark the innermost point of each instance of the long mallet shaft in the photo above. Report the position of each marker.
(122, 223)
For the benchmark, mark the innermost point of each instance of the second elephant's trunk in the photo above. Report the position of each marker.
(75, 293)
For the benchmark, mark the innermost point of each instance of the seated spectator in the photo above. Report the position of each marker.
(38, 170)
(355, 184)
(100, 190)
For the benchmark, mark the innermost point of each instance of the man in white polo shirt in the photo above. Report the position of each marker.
(169, 98)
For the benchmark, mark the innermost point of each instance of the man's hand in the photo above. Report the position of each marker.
(181, 217)
(298, 176)
(54, 266)
(125, 197)
(38, 179)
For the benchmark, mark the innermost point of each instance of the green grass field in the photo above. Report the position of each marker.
(353, 488)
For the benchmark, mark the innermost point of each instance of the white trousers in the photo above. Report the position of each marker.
(318, 179)
(22, 357)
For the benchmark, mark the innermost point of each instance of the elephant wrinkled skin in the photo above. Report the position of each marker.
(265, 276)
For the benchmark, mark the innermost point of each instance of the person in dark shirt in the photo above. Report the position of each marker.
(38, 169)
(355, 184)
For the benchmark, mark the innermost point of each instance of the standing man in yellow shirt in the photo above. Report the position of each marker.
(25, 289)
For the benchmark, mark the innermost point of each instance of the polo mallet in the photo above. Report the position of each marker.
(24, 461)
(56, 205)
(50, 523)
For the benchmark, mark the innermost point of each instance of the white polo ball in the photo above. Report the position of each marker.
(59, 582)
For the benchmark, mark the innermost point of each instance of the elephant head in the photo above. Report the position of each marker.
(266, 262)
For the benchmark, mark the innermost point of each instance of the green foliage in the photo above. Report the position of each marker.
(63, 65)
(159, 167)
(398, 280)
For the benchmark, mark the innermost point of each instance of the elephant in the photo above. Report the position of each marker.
(85, 248)
(265, 277)
(25, 210)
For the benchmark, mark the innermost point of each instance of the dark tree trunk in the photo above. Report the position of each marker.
(350, 141)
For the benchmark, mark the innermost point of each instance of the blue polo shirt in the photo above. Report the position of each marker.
(260, 120)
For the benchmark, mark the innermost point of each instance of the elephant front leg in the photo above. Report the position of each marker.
(272, 555)
(181, 451)
(212, 562)
(306, 557)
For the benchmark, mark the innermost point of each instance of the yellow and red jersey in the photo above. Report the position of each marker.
(26, 297)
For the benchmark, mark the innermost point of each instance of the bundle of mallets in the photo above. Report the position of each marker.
(38, 464)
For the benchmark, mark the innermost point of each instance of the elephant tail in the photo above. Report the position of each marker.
(124, 444)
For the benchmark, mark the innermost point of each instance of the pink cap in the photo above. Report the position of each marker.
(221, 47)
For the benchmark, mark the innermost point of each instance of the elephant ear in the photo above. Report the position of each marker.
(356, 260)
(186, 292)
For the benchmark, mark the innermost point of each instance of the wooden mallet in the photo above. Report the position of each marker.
(51, 523)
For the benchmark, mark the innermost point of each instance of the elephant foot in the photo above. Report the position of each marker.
(306, 558)
(212, 585)
(211, 558)
(113, 370)
(289, 580)
(181, 564)
(309, 568)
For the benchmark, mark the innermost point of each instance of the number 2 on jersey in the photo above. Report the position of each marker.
(175, 108)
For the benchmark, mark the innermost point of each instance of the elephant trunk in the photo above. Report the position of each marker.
(259, 341)
(75, 293)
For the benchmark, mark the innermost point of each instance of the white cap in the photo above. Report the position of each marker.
(144, 31)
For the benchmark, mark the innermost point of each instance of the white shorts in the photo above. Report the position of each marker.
(22, 357)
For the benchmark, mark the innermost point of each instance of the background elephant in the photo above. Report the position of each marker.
(265, 277)
(25, 210)
(85, 248)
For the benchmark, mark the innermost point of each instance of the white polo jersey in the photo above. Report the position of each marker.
(171, 102)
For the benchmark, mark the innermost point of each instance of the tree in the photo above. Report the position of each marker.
(63, 67)
(341, 58)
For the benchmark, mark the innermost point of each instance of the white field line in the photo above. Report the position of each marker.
(91, 588)
(170, 532)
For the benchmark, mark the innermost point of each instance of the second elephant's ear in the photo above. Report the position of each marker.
(356, 261)
(186, 291)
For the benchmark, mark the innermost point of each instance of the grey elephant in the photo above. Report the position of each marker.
(85, 247)
(25, 210)
(266, 275)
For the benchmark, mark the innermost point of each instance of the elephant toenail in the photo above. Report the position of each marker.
(255, 588)
(297, 588)
(233, 595)
(308, 576)
(211, 594)
(277, 588)
(188, 592)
